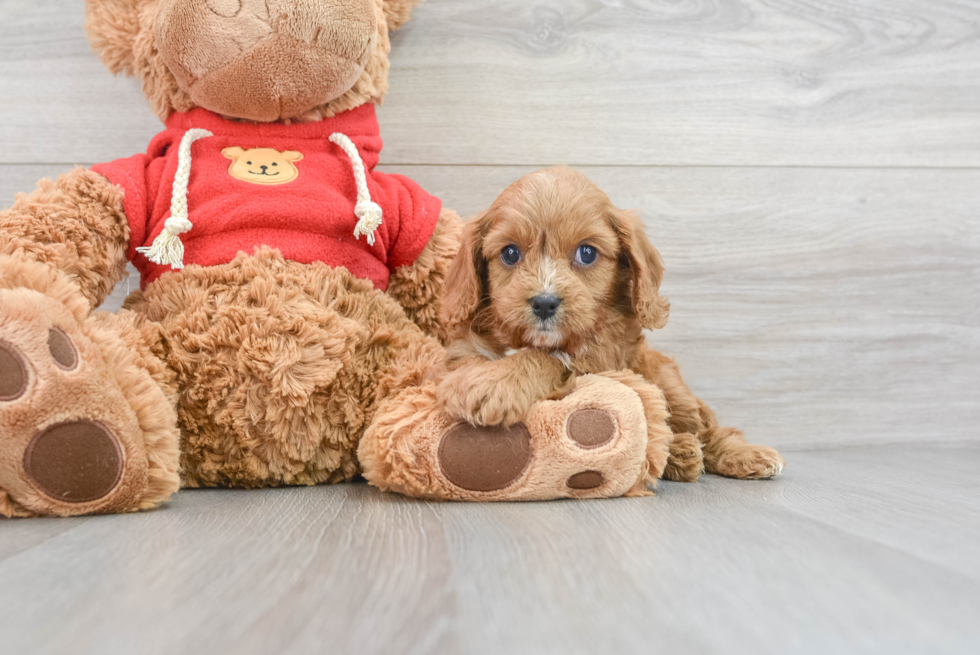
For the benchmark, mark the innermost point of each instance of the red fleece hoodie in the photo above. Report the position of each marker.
(236, 206)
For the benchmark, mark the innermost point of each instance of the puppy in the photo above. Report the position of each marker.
(554, 281)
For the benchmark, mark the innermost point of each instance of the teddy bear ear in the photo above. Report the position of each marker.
(398, 11)
(112, 27)
(292, 155)
(234, 152)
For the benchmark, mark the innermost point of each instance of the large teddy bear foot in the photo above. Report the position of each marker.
(590, 444)
(77, 414)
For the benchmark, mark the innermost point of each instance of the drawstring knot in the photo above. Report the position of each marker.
(167, 248)
(367, 211)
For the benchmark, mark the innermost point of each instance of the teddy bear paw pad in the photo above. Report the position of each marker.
(74, 462)
(591, 428)
(586, 480)
(484, 458)
(13, 373)
(62, 350)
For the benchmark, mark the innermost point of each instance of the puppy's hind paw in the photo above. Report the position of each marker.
(750, 462)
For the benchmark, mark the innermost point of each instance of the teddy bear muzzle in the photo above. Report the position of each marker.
(265, 60)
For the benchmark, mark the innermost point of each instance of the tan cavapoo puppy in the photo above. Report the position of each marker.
(551, 282)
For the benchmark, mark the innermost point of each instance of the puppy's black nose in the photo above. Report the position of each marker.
(545, 305)
(263, 168)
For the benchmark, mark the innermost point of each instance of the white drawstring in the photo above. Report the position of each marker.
(167, 248)
(368, 212)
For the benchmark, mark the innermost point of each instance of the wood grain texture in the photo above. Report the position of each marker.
(614, 82)
(845, 554)
(809, 306)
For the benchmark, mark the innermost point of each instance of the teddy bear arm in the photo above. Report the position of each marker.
(418, 286)
(75, 225)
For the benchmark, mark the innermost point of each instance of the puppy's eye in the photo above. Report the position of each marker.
(510, 255)
(249, 163)
(275, 163)
(586, 255)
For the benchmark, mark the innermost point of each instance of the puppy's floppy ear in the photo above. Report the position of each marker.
(112, 27)
(645, 267)
(466, 279)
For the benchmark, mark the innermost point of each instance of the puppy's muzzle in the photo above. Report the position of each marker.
(544, 305)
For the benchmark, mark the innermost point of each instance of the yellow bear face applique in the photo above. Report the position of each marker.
(262, 165)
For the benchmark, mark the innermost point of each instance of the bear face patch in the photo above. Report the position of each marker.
(262, 165)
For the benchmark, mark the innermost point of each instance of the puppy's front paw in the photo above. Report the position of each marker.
(481, 402)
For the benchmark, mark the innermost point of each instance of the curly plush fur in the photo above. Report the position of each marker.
(281, 366)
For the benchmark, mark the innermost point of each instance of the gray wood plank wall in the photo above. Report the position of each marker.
(810, 170)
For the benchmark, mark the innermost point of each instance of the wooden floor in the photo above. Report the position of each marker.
(867, 549)
(810, 170)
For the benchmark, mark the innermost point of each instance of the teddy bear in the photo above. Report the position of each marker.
(288, 290)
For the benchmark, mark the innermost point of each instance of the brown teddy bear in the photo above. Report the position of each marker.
(287, 296)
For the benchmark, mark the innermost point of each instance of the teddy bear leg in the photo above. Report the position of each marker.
(87, 418)
(590, 444)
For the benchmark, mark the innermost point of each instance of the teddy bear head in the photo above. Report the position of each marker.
(259, 60)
